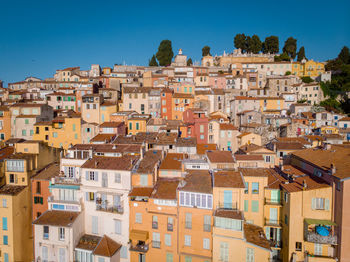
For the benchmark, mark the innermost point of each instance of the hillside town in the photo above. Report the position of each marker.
(230, 159)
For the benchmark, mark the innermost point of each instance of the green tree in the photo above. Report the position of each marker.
(301, 54)
(254, 44)
(240, 41)
(290, 47)
(288, 73)
(307, 79)
(189, 62)
(153, 61)
(344, 55)
(165, 53)
(282, 57)
(271, 45)
(206, 51)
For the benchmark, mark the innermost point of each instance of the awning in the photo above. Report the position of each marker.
(138, 235)
(313, 221)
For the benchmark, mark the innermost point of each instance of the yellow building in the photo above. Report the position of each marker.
(307, 207)
(233, 239)
(16, 242)
(271, 104)
(310, 68)
(61, 132)
(137, 123)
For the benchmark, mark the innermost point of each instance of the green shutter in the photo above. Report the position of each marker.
(255, 206)
(327, 204)
(246, 205)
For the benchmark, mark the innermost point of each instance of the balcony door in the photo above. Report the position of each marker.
(228, 199)
(273, 215)
(275, 196)
(142, 258)
(104, 180)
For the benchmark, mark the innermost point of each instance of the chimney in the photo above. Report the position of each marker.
(333, 169)
(96, 163)
(304, 184)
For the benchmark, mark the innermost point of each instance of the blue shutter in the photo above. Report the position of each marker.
(4, 223)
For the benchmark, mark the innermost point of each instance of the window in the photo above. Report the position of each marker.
(286, 219)
(46, 232)
(188, 220)
(169, 257)
(298, 246)
(15, 165)
(124, 252)
(54, 134)
(38, 187)
(227, 223)
(45, 253)
(207, 223)
(91, 175)
(246, 205)
(62, 255)
(26, 121)
(206, 243)
(61, 233)
(170, 225)
(224, 251)
(267, 159)
(138, 218)
(154, 222)
(6, 257)
(4, 202)
(137, 126)
(101, 259)
(246, 190)
(250, 255)
(187, 240)
(320, 204)
(144, 180)
(118, 226)
(255, 206)
(255, 188)
(156, 240)
(167, 238)
(117, 178)
(318, 249)
(188, 259)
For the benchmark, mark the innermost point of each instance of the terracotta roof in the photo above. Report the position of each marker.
(173, 161)
(256, 236)
(202, 148)
(249, 157)
(233, 214)
(227, 127)
(108, 148)
(198, 181)
(149, 161)
(107, 247)
(338, 155)
(220, 156)
(11, 190)
(6, 152)
(289, 146)
(88, 242)
(344, 119)
(244, 98)
(57, 218)
(181, 95)
(111, 124)
(48, 172)
(312, 183)
(244, 134)
(165, 189)
(125, 163)
(103, 138)
(232, 179)
(141, 192)
(186, 142)
(257, 172)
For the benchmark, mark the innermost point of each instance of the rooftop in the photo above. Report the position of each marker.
(125, 163)
(57, 218)
(165, 189)
(232, 179)
(220, 156)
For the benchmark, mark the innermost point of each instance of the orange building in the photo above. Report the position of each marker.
(5, 123)
(166, 103)
(180, 103)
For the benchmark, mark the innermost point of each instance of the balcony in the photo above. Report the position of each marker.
(170, 227)
(66, 180)
(228, 206)
(275, 243)
(139, 248)
(156, 244)
(109, 208)
(316, 238)
(188, 225)
(155, 225)
(273, 222)
(269, 201)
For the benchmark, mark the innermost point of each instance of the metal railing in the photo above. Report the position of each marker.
(275, 243)
(139, 248)
(155, 225)
(273, 222)
(316, 238)
(188, 225)
(156, 244)
(269, 201)
(229, 206)
(110, 208)
(170, 227)
(206, 228)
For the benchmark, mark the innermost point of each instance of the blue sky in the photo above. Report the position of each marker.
(38, 37)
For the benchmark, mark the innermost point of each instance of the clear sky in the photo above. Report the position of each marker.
(38, 37)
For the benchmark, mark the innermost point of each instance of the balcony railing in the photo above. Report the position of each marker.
(229, 206)
(269, 201)
(188, 225)
(275, 243)
(206, 228)
(110, 208)
(273, 222)
(170, 227)
(316, 238)
(139, 248)
(156, 244)
(67, 180)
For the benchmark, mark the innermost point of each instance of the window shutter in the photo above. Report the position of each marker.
(96, 176)
(86, 175)
(66, 171)
(87, 198)
(313, 204)
(327, 204)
